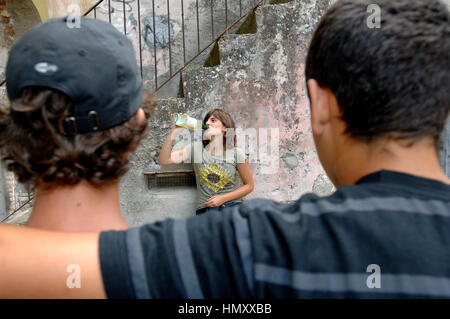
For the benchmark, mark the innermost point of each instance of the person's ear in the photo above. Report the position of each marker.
(140, 115)
(320, 110)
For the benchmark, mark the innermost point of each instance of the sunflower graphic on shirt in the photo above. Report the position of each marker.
(214, 177)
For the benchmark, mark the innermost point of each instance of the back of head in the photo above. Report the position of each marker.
(389, 80)
(74, 95)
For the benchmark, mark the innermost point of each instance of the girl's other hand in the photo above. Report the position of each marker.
(215, 201)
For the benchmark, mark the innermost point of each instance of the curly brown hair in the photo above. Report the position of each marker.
(32, 148)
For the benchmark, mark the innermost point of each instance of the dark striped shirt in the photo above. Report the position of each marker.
(386, 236)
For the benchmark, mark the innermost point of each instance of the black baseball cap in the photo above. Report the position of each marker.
(94, 64)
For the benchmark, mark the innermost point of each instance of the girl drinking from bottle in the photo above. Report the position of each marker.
(218, 163)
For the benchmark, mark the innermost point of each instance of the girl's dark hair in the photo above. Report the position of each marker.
(32, 148)
(388, 81)
(227, 121)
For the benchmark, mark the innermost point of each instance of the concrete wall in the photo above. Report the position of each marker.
(16, 16)
(60, 8)
(445, 149)
(41, 6)
(4, 198)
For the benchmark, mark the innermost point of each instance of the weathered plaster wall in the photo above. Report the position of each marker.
(41, 6)
(60, 8)
(445, 149)
(16, 16)
(4, 198)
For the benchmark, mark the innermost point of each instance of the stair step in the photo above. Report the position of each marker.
(165, 107)
(279, 1)
(287, 16)
(269, 17)
(198, 82)
(204, 87)
(237, 49)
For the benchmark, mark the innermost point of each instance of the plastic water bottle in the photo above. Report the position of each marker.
(188, 122)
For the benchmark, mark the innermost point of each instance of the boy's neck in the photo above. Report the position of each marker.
(79, 208)
(420, 159)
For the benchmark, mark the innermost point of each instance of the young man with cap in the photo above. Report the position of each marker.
(75, 116)
(379, 102)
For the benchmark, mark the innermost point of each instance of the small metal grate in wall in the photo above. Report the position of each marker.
(157, 180)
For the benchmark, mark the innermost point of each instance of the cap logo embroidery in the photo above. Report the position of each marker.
(46, 68)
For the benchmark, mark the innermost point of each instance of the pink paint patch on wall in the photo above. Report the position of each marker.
(262, 110)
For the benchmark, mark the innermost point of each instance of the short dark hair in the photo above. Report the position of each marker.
(388, 81)
(39, 155)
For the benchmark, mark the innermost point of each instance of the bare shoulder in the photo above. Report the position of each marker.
(46, 264)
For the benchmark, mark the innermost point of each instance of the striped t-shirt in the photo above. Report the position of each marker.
(386, 236)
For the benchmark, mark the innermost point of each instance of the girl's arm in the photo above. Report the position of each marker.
(166, 156)
(247, 188)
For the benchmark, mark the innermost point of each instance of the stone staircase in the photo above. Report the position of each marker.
(260, 82)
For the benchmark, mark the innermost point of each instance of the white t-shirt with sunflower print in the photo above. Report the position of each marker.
(214, 174)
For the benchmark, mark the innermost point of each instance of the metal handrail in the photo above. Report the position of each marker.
(199, 51)
(93, 7)
(172, 75)
(213, 41)
(16, 210)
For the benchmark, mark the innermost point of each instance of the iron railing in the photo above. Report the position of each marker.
(162, 77)
(15, 210)
(167, 49)
(30, 198)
